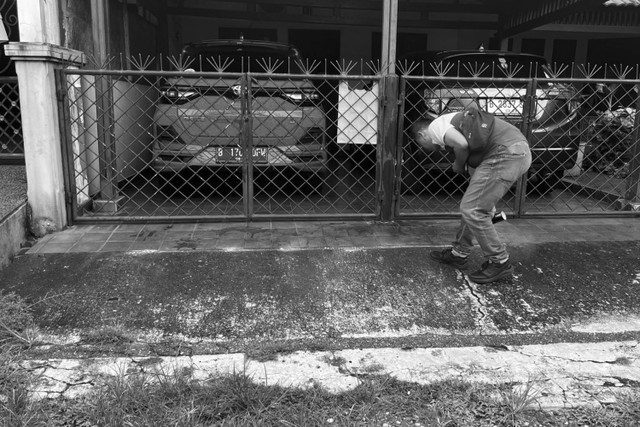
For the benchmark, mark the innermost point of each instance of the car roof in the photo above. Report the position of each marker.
(241, 44)
(427, 55)
(452, 54)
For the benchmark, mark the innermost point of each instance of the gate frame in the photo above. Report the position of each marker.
(627, 207)
(74, 209)
(392, 91)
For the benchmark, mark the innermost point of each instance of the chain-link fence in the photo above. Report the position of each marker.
(218, 145)
(11, 143)
(186, 144)
(545, 113)
(583, 133)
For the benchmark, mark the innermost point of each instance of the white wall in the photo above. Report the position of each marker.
(39, 23)
(133, 114)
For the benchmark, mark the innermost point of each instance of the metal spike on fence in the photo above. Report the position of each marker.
(474, 69)
(141, 64)
(511, 71)
(440, 69)
(589, 70)
(181, 63)
(219, 65)
(100, 64)
(407, 68)
(309, 68)
(556, 70)
(378, 68)
(268, 66)
(619, 72)
(344, 68)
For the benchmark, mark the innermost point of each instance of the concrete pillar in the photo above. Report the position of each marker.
(389, 35)
(36, 58)
(39, 21)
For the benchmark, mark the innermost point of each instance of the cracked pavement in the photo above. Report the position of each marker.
(334, 294)
(562, 375)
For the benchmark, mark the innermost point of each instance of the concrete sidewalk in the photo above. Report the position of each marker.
(305, 292)
(561, 375)
(300, 235)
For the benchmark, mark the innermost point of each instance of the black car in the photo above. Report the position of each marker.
(498, 81)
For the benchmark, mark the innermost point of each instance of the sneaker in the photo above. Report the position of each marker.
(447, 257)
(492, 271)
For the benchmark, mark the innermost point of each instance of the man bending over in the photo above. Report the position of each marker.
(500, 154)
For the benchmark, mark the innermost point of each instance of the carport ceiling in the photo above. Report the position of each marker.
(507, 17)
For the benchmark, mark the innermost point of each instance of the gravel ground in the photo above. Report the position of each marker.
(13, 188)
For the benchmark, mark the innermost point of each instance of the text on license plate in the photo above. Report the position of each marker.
(234, 154)
(504, 107)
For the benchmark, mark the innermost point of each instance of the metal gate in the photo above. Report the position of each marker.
(145, 145)
(186, 145)
(11, 142)
(584, 135)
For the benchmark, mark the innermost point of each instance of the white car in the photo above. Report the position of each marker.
(209, 120)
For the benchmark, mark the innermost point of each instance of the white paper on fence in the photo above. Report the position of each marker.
(357, 114)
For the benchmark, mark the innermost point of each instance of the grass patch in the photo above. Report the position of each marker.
(176, 397)
(17, 331)
(16, 408)
(16, 321)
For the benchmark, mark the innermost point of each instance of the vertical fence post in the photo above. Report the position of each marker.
(527, 112)
(632, 194)
(246, 141)
(386, 153)
(397, 191)
(67, 152)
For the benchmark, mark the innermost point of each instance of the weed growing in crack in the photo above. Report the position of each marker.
(518, 398)
(334, 360)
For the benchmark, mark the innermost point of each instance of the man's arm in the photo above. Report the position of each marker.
(454, 139)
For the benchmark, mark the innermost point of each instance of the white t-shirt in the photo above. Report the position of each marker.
(439, 127)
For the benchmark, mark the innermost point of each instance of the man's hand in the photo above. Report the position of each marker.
(461, 169)
(454, 139)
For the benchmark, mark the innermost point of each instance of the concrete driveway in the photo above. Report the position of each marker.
(268, 289)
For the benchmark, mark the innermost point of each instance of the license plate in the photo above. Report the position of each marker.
(234, 154)
(504, 107)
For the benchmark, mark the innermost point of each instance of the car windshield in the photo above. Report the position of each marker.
(493, 66)
(239, 59)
